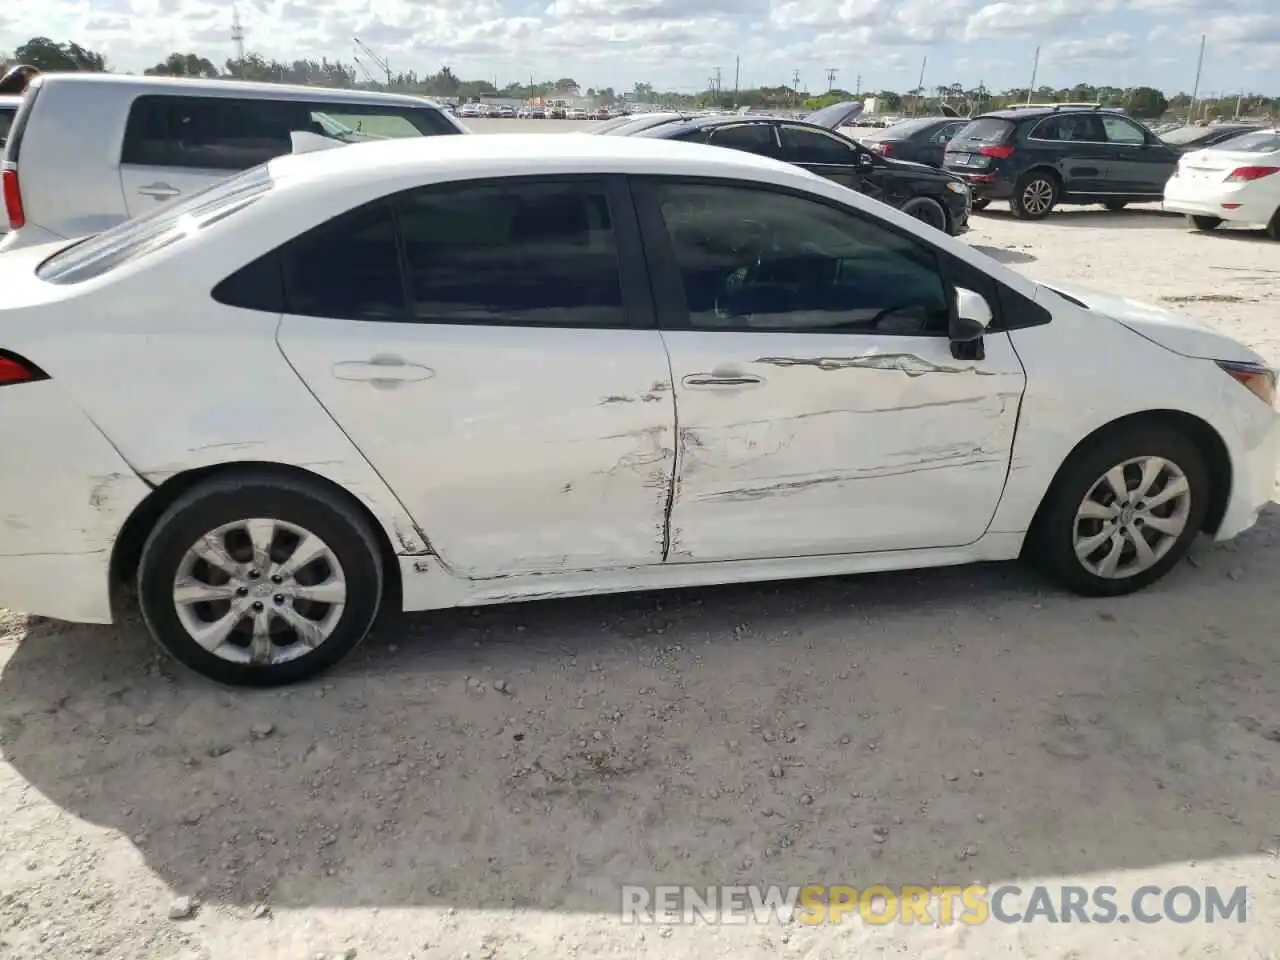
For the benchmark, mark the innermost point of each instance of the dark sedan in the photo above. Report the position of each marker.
(930, 195)
(919, 141)
(1194, 137)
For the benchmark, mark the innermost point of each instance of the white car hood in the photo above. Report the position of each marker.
(1174, 331)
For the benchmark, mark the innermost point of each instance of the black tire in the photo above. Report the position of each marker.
(1035, 195)
(1273, 228)
(1204, 223)
(1115, 206)
(981, 203)
(927, 211)
(225, 500)
(1051, 543)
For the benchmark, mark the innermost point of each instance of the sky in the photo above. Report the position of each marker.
(679, 44)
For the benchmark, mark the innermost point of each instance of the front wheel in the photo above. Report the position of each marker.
(260, 580)
(927, 211)
(1204, 224)
(1123, 512)
(1035, 196)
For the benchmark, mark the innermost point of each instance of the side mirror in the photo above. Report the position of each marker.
(970, 317)
(866, 160)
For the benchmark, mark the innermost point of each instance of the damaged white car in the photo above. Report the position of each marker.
(486, 369)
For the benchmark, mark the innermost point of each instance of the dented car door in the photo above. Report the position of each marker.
(519, 403)
(819, 408)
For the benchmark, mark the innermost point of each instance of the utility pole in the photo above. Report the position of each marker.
(237, 34)
(1035, 68)
(924, 62)
(831, 78)
(795, 85)
(715, 82)
(737, 73)
(1191, 114)
(857, 86)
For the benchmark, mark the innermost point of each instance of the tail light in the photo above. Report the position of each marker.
(882, 147)
(1000, 151)
(1254, 377)
(15, 369)
(1247, 174)
(13, 198)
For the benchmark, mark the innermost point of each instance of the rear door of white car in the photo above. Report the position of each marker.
(509, 382)
(821, 410)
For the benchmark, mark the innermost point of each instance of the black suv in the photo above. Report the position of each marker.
(926, 193)
(1039, 157)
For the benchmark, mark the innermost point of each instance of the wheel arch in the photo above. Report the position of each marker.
(126, 552)
(937, 201)
(1207, 440)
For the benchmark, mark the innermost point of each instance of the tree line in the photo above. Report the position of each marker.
(50, 56)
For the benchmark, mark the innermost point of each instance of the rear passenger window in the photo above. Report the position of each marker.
(800, 145)
(222, 133)
(749, 137)
(535, 254)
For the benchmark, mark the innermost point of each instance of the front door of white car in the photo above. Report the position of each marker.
(509, 384)
(820, 408)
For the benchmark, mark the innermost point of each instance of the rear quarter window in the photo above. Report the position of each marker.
(156, 230)
(987, 130)
(6, 121)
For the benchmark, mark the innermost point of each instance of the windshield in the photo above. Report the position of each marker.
(1185, 134)
(637, 124)
(156, 229)
(1264, 141)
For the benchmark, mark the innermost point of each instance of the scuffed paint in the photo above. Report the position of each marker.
(908, 363)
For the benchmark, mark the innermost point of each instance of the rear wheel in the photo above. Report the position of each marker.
(1273, 228)
(927, 210)
(1204, 223)
(981, 203)
(1035, 196)
(1123, 512)
(1115, 205)
(259, 580)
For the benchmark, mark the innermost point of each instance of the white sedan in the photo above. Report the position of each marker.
(500, 368)
(1237, 182)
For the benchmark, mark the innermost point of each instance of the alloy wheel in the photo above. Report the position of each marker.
(259, 591)
(1131, 517)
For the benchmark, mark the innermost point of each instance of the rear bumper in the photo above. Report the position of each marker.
(1241, 203)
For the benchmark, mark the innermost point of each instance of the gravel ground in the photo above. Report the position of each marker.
(478, 783)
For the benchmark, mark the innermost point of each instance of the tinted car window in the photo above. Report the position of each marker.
(155, 230)
(347, 268)
(221, 133)
(542, 254)
(1122, 131)
(1071, 127)
(763, 261)
(6, 121)
(801, 145)
(987, 130)
(750, 137)
(945, 134)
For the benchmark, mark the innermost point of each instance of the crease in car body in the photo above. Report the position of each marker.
(908, 363)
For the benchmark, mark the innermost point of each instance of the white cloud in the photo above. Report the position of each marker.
(678, 43)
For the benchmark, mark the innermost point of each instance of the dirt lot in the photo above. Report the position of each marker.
(478, 784)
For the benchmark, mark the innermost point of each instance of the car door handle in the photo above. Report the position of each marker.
(382, 371)
(161, 191)
(722, 377)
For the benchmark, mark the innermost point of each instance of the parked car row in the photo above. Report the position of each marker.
(551, 112)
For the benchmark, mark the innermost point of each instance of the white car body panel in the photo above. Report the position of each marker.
(849, 443)
(522, 450)
(210, 386)
(1199, 187)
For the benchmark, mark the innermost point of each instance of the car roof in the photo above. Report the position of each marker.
(196, 87)
(520, 154)
(1030, 113)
